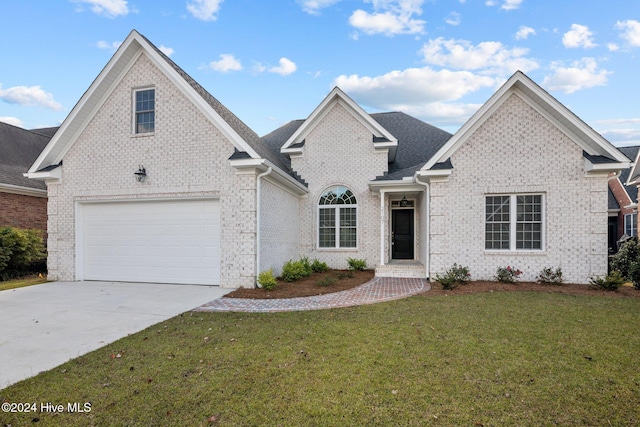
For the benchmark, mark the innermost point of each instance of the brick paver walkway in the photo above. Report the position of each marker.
(377, 290)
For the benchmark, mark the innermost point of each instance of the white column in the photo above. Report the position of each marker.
(382, 231)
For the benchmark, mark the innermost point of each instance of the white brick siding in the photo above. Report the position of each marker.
(518, 151)
(339, 151)
(186, 156)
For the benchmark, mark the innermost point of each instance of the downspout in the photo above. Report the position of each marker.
(426, 224)
(258, 197)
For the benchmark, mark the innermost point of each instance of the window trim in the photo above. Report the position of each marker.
(135, 111)
(634, 223)
(336, 212)
(513, 223)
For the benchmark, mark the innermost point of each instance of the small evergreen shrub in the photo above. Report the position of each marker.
(634, 274)
(508, 274)
(628, 255)
(550, 276)
(344, 275)
(610, 283)
(357, 264)
(267, 281)
(456, 275)
(319, 266)
(294, 270)
(21, 252)
(307, 266)
(327, 281)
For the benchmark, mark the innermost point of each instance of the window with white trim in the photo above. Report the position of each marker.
(145, 110)
(337, 218)
(631, 224)
(514, 222)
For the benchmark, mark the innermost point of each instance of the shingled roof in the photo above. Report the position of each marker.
(18, 150)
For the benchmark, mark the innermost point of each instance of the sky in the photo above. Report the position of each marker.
(274, 61)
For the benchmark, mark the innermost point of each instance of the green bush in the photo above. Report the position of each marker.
(327, 281)
(294, 270)
(318, 266)
(507, 275)
(610, 283)
(344, 275)
(20, 250)
(454, 276)
(550, 276)
(628, 255)
(307, 265)
(357, 264)
(267, 281)
(634, 275)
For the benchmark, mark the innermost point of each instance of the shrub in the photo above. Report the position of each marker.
(307, 266)
(550, 276)
(634, 275)
(318, 266)
(20, 250)
(344, 275)
(357, 264)
(628, 255)
(327, 281)
(267, 281)
(507, 275)
(294, 270)
(610, 283)
(455, 276)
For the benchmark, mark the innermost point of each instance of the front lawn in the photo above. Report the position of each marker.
(22, 282)
(487, 359)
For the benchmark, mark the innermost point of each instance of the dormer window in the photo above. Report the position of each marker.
(145, 111)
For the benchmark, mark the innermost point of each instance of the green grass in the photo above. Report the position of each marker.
(491, 359)
(21, 283)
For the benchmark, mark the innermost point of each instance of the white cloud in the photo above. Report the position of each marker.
(12, 121)
(313, 7)
(29, 96)
(506, 4)
(113, 46)
(108, 8)
(166, 50)
(453, 19)
(226, 63)
(581, 74)
(285, 67)
(490, 57)
(630, 31)
(621, 135)
(205, 10)
(390, 17)
(613, 47)
(578, 36)
(524, 32)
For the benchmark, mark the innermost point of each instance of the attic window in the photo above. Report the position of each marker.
(145, 106)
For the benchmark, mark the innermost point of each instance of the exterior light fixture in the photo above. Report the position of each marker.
(404, 202)
(140, 174)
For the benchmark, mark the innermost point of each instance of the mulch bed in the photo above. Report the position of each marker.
(308, 286)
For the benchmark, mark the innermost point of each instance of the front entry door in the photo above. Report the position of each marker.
(402, 229)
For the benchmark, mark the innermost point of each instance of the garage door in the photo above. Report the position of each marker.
(168, 241)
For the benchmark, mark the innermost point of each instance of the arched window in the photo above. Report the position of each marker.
(337, 218)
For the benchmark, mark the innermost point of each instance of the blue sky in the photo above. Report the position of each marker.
(274, 61)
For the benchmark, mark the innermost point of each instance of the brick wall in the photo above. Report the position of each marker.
(517, 151)
(186, 156)
(339, 151)
(17, 210)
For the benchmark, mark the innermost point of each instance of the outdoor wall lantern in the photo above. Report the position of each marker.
(404, 202)
(140, 174)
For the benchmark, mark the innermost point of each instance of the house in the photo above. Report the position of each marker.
(150, 178)
(623, 204)
(23, 201)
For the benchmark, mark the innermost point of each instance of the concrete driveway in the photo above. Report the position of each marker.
(45, 325)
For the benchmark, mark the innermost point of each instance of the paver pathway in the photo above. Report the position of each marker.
(379, 289)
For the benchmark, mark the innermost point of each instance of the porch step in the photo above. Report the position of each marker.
(401, 269)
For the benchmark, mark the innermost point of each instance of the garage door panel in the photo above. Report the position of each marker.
(173, 241)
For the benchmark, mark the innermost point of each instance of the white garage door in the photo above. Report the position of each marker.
(167, 241)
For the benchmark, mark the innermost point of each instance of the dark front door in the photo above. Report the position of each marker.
(402, 229)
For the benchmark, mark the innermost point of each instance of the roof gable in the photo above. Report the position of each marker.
(591, 142)
(240, 135)
(381, 139)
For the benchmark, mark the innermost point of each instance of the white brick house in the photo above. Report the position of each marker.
(150, 178)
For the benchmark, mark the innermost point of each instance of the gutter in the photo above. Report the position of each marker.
(258, 236)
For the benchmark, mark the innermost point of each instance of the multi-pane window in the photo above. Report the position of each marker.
(514, 222)
(337, 218)
(631, 224)
(145, 107)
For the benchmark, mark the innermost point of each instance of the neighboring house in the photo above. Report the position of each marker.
(150, 178)
(23, 201)
(623, 204)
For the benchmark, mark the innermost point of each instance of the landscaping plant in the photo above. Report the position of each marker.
(456, 275)
(357, 264)
(609, 283)
(550, 276)
(20, 251)
(318, 266)
(267, 281)
(627, 261)
(507, 275)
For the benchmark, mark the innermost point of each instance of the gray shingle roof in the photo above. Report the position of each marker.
(611, 201)
(631, 153)
(19, 148)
